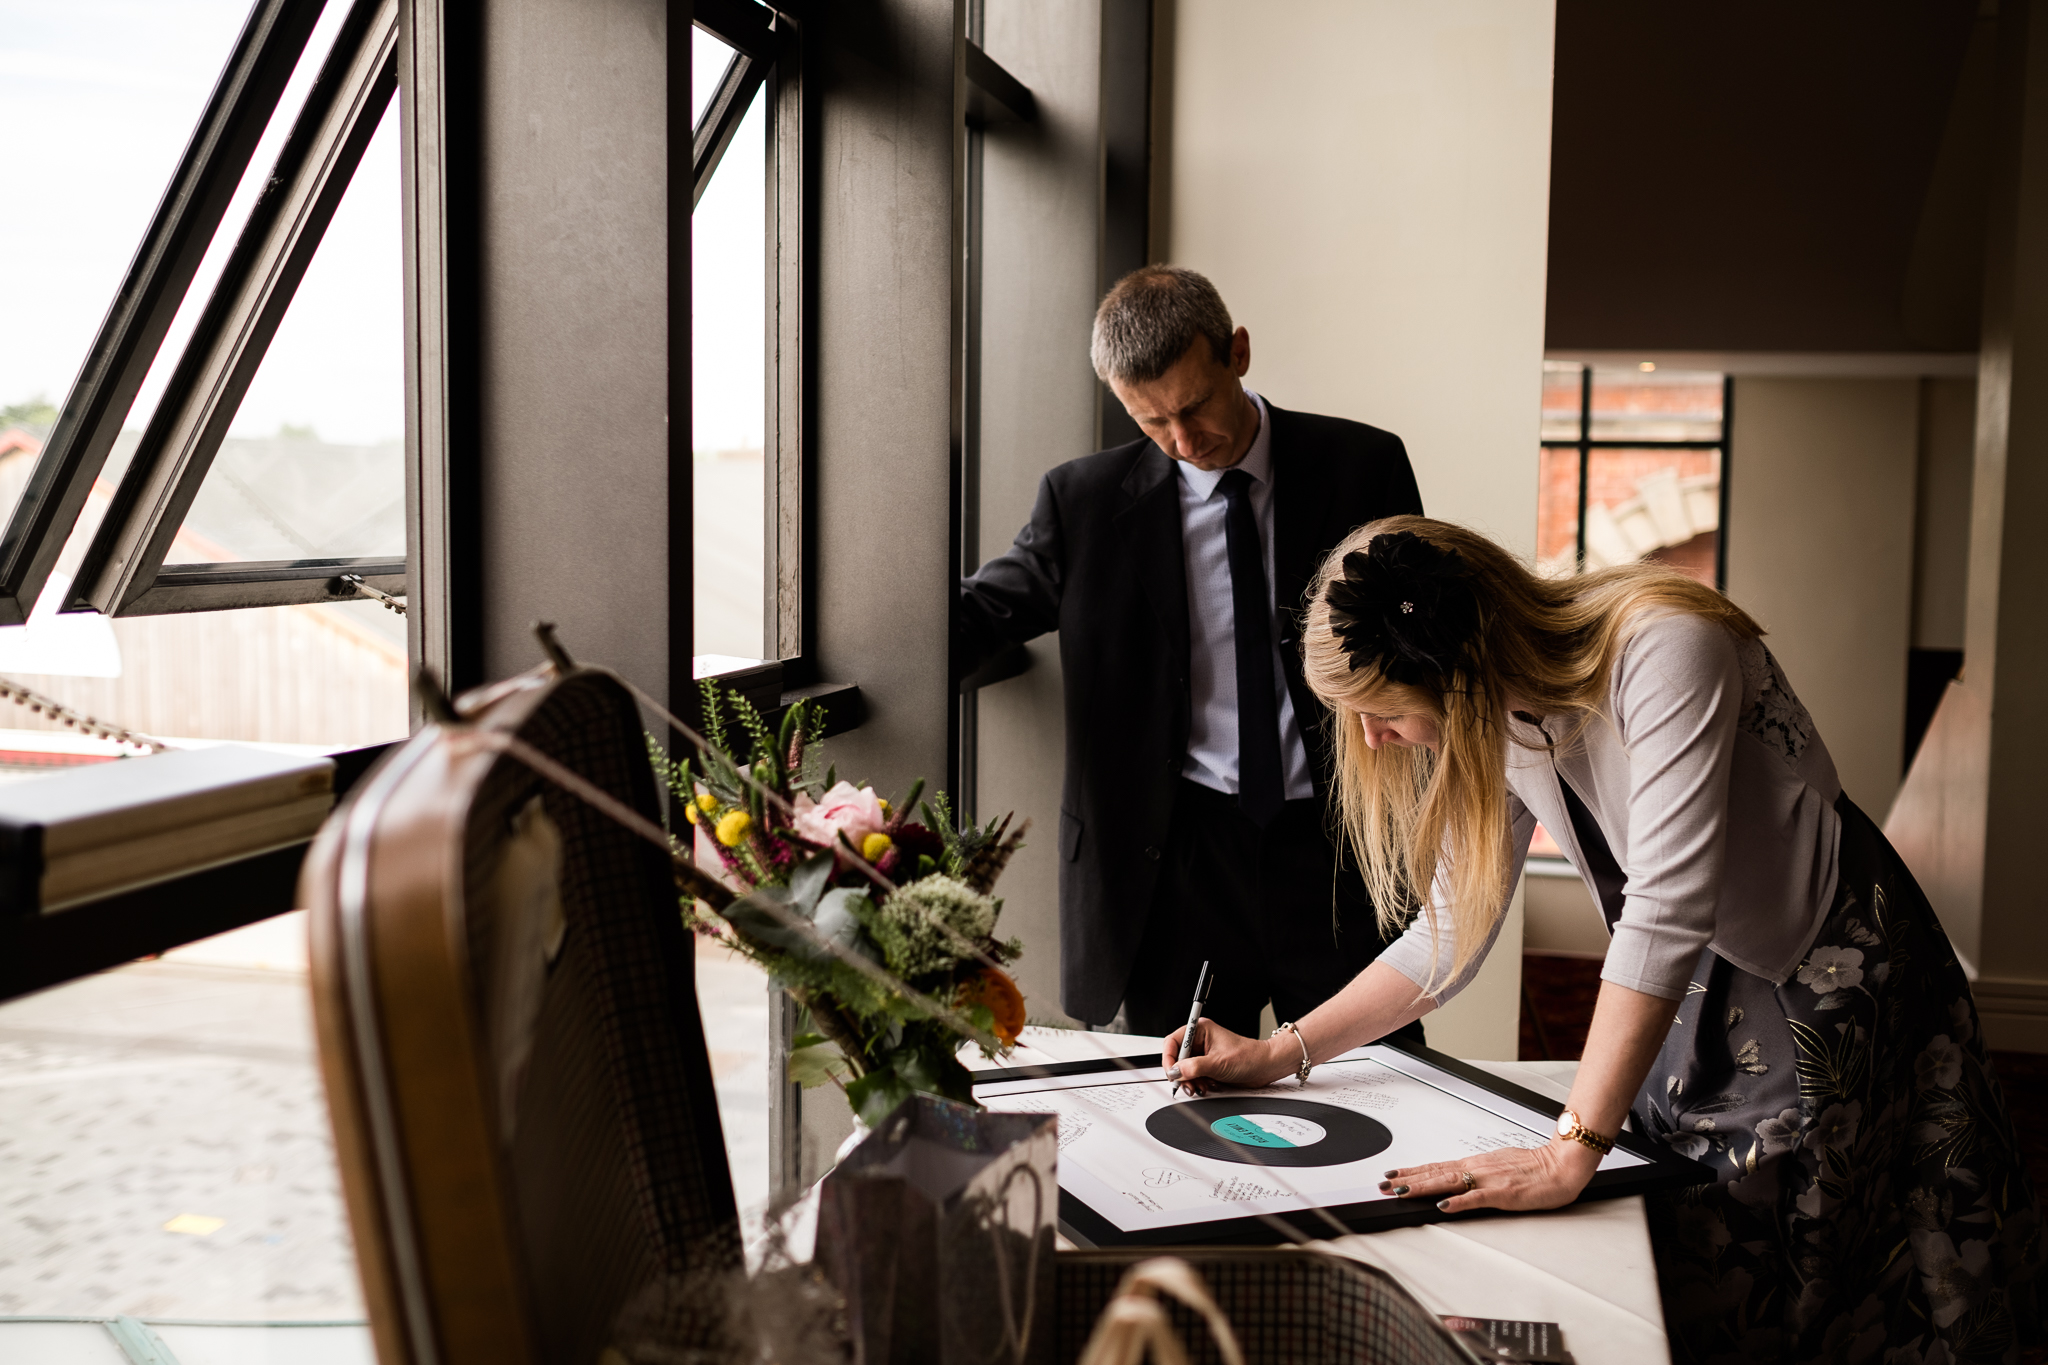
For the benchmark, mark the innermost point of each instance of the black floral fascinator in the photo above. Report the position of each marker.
(1405, 607)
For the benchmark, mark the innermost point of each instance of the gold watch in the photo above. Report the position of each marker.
(1569, 1128)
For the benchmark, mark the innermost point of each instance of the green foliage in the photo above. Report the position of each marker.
(922, 1062)
(813, 1062)
(877, 977)
(931, 925)
(966, 847)
(35, 416)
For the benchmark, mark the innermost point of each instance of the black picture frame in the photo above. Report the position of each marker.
(1085, 1227)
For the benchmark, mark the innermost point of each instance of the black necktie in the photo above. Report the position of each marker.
(1258, 707)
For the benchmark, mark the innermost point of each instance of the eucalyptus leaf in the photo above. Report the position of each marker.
(753, 915)
(838, 922)
(811, 1067)
(808, 882)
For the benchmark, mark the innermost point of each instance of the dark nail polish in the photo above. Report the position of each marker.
(1400, 1189)
(1443, 1205)
(1392, 1174)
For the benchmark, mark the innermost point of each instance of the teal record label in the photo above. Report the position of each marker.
(1267, 1130)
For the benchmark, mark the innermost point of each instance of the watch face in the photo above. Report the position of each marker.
(1566, 1122)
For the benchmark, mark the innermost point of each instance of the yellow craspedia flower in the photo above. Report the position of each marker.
(875, 845)
(733, 827)
(703, 801)
(883, 802)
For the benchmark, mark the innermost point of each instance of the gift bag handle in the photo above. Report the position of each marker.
(1135, 1321)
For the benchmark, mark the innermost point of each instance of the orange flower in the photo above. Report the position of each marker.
(995, 989)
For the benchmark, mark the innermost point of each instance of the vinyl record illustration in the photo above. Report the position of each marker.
(1265, 1130)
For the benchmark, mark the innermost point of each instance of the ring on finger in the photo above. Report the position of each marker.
(1470, 1183)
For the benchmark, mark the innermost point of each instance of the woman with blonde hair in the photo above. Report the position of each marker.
(1825, 1060)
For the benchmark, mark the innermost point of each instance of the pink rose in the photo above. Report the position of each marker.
(853, 811)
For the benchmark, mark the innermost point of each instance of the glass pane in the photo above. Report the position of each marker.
(732, 994)
(1557, 510)
(329, 675)
(709, 56)
(729, 287)
(99, 99)
(167, 1149)
(314, 465)
(1654, 504)
(1656, 405)
(1561, 385)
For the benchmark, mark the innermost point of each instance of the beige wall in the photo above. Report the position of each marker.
(1941, 532)
(1368, 184)
(1822, 477)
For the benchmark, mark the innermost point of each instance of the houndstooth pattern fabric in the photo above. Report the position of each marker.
(1286, 1306)
(618, 1161)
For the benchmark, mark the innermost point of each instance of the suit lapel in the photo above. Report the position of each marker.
(1150, 519)
(1302, 501)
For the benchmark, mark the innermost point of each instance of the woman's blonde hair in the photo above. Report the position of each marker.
(1422, 820)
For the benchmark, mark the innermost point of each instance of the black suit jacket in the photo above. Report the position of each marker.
(1101, 563)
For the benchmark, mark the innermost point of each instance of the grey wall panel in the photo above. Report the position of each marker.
(573, 336)
(888, 354)
(887, 78)
(1041, 186)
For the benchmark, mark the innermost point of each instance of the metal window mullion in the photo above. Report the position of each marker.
(791, 296)
(741, 25)
(235, 331)
(1585, 456)
(714, 132)
(1721, 490)
(154, 287)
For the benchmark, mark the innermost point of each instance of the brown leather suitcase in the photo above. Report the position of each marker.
(523, 1108)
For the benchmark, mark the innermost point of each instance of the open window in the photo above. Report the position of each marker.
(313, 81)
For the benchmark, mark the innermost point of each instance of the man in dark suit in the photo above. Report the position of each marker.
(1195, 822)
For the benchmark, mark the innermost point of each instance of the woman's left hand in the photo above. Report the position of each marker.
(1545, 1177)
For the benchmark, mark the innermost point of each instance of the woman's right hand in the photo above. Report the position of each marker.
(1226, 1059)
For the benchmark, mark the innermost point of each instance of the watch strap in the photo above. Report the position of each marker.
(1580, 1133)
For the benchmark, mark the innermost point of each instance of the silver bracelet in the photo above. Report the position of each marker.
(1300, 1072)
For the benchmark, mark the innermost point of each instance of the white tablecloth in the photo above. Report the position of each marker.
(1586, 1268)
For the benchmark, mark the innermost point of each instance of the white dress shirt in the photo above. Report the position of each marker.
(1212, 623)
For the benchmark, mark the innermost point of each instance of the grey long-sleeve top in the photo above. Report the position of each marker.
(1717, 800)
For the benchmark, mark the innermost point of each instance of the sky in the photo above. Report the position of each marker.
(97, 101)
(727, 272)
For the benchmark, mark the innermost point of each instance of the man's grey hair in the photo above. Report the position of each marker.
(1150, 317)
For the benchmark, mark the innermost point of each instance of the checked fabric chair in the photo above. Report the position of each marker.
(522, 1101)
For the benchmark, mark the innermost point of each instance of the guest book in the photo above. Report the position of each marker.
(1140, 1165)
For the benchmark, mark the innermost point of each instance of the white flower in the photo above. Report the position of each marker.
(1780, 1134)
(1939, 1065)
(1689, 1145)
(1833, 969)
(1836, 1127)
(1952, 1278)
(1961, 1019)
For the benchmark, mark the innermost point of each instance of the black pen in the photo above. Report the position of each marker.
(1190, 1043)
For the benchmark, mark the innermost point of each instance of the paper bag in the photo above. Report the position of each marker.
(938, 1229)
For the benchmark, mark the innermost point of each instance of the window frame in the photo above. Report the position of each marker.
(123, 572)
(216, 157)
(1585, 445)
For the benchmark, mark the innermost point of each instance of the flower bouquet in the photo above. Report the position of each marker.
(879, 926)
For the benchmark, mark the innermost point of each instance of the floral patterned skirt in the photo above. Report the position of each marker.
(1870, 1202)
